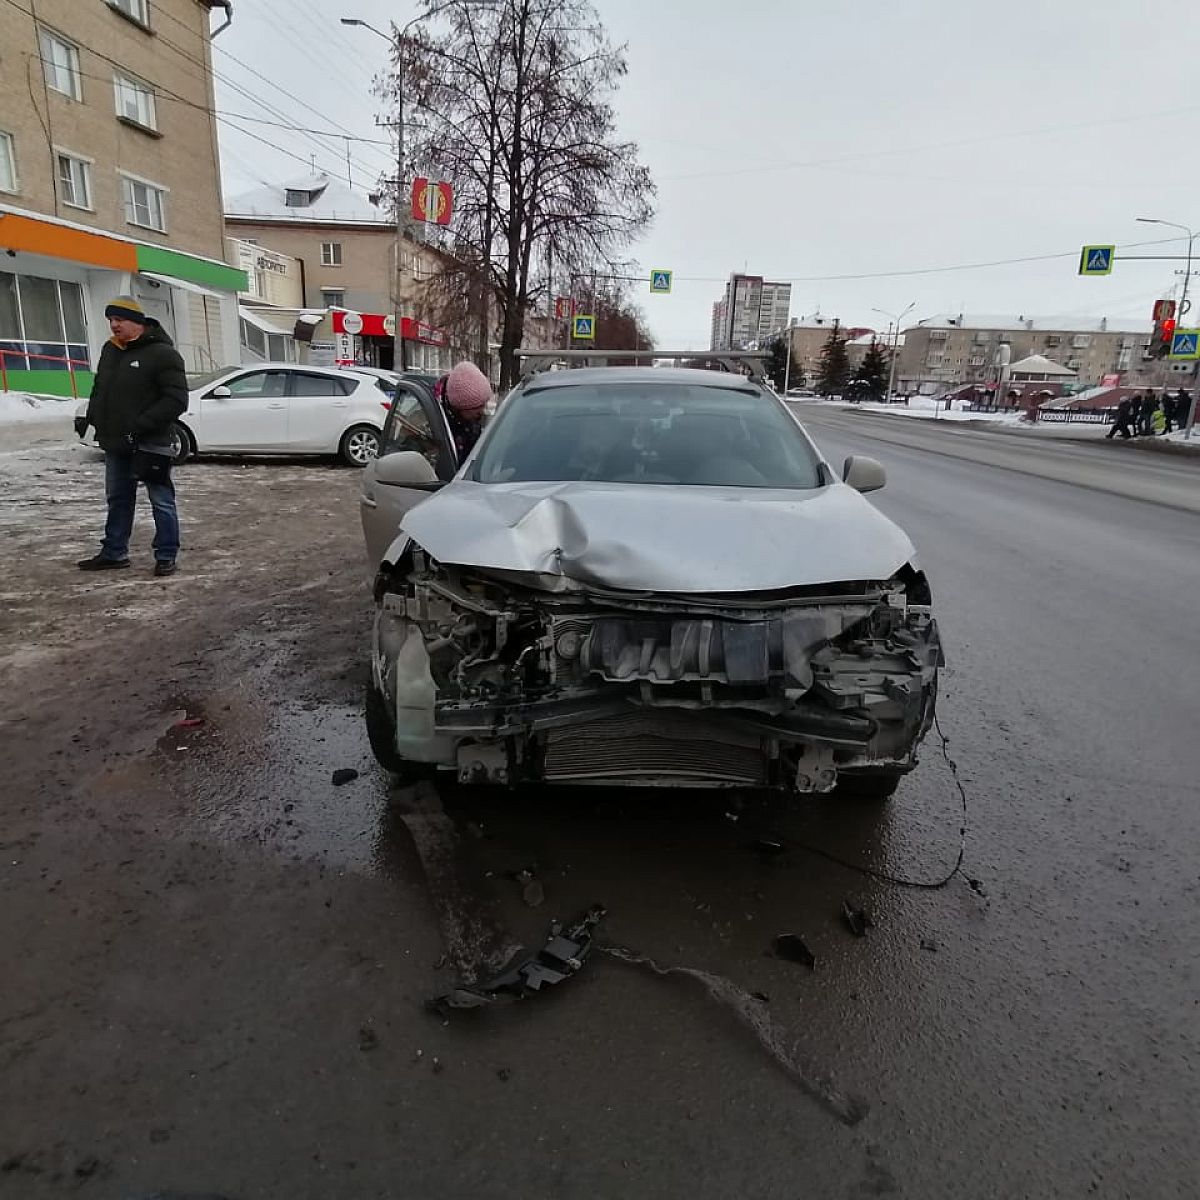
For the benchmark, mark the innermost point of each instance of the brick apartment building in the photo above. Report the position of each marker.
(109, 183)
(955, 348)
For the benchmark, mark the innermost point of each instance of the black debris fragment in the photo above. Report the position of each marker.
(791, 948)
(930, 945)
(767, 847)
(976, 885)
(344, 775)
(562, 956)
(761, 997)
(503, 1074)
(858, 920)
(368, 1039)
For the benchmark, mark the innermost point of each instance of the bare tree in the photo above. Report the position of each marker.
(513, 105)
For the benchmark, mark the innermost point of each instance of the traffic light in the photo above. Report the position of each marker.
(1164, 330)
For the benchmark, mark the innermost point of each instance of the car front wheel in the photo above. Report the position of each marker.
(360, 446)
(181, 444)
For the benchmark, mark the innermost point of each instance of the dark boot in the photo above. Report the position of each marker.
(100, 563)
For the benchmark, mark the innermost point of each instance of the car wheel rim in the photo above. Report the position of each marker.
(176, 443)
(362, 447)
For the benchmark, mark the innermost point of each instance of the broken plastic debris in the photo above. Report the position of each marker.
(791, 948)
(858, 920)
(929, 944)
(344, 775)
(562, 956)
(189, 723)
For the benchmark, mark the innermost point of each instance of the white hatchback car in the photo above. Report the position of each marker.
(279, 408)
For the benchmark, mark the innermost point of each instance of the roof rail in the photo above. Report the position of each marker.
(738, 362)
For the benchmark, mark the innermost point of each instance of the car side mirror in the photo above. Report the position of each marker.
(406, 468)
(863, 474)
(220, 393)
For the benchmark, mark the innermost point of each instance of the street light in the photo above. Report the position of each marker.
(1184, 304)
(896, 318)
(402, 216)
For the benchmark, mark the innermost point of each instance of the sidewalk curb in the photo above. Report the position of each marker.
(1150, 445)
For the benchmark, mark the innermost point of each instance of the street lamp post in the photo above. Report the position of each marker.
(402, 214)
(895, 319)
(1184, 303)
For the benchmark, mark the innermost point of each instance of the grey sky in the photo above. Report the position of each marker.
(801, 139)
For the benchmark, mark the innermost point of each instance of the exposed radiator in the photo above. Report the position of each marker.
(655, 745)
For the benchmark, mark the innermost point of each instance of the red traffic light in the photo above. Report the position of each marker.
(1168, 328)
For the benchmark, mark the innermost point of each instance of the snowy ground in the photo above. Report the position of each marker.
(924, 407)
(27, 420)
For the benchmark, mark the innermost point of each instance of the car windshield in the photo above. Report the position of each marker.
(647, 433)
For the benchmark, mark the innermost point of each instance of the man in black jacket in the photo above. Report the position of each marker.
(1121, 424)
(139, 391)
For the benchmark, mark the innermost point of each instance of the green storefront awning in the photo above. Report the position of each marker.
(197, 270)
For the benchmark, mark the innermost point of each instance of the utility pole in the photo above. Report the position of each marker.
(896, 319)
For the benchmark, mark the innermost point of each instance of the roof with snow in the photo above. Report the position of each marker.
(1039, 364)
(882, 338)
(1054, 324)
(306, 200)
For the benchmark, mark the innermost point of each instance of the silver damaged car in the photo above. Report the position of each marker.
(647, 577)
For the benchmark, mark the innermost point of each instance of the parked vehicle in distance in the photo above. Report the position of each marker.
(390, 377)
(643, 577)
(279, 408)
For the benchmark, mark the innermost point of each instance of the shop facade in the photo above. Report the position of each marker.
(56, 278)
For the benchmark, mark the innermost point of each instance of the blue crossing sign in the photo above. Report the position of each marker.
(1185, 343)
(583, 327)
(1096, 260)
(660, 281)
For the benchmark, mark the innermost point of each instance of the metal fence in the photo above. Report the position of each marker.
(1071, 416)
(72, 365)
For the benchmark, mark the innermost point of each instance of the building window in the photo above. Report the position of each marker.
(8, 163)
(135, 101)
(136, 10)
(42, 325)
(297, 197)
(1080, 341)
(333, 297)
(74, 181)
(331, 254)
(60, 62)
(145, 204)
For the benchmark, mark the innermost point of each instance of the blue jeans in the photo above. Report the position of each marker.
(120, 490)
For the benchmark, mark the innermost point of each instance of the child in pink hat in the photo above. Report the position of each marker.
(464, 395)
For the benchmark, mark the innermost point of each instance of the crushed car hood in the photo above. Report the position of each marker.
(661, 538)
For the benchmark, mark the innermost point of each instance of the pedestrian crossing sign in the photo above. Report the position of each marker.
(583, 328)
(1096, 260)
(1185, 343)
(660, 281)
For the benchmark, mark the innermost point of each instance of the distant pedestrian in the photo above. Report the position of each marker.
(1146, 420)
(464, 395)
(1183, 409)
(139, 391)
(1168, 412)
(1123, 419)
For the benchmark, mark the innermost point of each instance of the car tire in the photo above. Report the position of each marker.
(379, 734)
(181, 439)
(876, 788)
(360, 445)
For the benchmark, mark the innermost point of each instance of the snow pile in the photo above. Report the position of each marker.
(25, 406)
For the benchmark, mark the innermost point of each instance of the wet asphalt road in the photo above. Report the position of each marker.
(221, 961)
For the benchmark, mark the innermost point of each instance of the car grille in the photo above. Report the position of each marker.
(654, 746)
